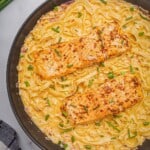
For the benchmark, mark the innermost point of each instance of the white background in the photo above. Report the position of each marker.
(11, 19)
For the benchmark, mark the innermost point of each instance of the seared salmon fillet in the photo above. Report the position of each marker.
(112, 97)
(64, 58)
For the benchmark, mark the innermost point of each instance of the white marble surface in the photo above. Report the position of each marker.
(11, 19)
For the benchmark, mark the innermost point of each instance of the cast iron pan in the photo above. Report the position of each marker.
(12, 76)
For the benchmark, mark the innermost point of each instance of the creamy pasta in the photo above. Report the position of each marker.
(42, 98)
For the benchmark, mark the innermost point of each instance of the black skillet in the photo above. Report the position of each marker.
(12, 76)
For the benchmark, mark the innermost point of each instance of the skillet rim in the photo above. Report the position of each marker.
(39, 143)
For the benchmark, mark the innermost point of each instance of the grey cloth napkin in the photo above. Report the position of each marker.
(8, 136)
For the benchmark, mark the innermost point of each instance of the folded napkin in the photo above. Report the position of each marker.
(8, 137)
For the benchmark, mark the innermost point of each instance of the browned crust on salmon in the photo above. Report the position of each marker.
(64, 58)
(114, 96)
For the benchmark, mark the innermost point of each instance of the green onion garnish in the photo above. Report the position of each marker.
(85, 108)
(110, 75)
(67, 130)
(61, 124)
(65, 145)
(56, 29)
(47, 101)
(131, 69)
(30, 67)
(145, 18)
(79, 14)
(104, 2)
(57, 52)
(52, 87)
(146, 123)
(63, 78)
(90, 82)
(87, 147)
(129, 18)
(98, 71)
(113, 138)
(124, 26)
(133, 136)
(101, 64)
(21, 56)
(56, 8)
(27, 84)
(114, 127)
(64, 113)
(60, 39)
(111, 100)
(131, 8)
(141, 33)
(97, 123)
(122, 73)
(46, 117)
(72, 139)
(69, 65)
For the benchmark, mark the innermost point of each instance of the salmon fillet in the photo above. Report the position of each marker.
(114, 96)
(64, 58)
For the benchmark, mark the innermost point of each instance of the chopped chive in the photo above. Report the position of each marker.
(111, 101)
(64, 113)
(101, 64)
(122, 73)
(55, 8)
(57, 52)
(129, 134)
(21, 56)
(145, 18)
(61, 124)
(97, 123)
(72, 139)
(69, 65)
(65, 145)
(60, 39)
(113, 138)
(27, 84)
(104, 2)
(141, 33)
(56, 29)
(87, 147)
(98, 70)
(117, 116)
(47, 101)
(96, 107)
(64, 86)
(30, 67)
(114, 127)
(46, 117)
(124, 26)
(146, 123)
(90, 82)
(59, 142)
(129, 18)
(29, 57)
(131, 69)
(79, 14)
(52, 87)
(63, 78)
(131, 8)
(67, 130)
(122, 42)
(110, 75)
(72, 105)
(85, 108)
(101, 135)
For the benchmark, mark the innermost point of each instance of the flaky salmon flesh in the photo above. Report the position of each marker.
(67, 57)
(112, 97)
